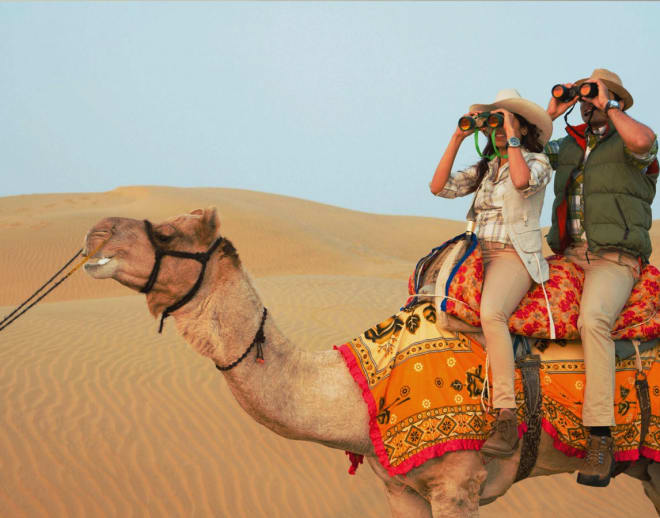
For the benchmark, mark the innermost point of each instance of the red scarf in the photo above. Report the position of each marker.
(578, 133)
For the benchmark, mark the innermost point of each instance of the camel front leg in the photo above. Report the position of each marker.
(652, 486)
(451, 484)
(404, 501)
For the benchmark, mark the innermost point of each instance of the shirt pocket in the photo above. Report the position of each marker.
(528, 240)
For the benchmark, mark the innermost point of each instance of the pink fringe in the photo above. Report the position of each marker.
(650, 454)
(457, 445)
(432, 452)
(622, 456)
(359, 378)
(626, 455)
(416, 460)
(564, 448)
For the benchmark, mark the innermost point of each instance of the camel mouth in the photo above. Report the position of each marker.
(101, 267)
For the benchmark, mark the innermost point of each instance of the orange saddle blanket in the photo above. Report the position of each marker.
(423, 387)
(461, 296)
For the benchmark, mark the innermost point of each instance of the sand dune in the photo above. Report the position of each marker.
(102, 416)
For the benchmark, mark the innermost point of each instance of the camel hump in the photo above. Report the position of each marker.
(452, 275)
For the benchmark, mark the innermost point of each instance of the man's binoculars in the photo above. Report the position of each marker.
(485, 119)
(564, 94)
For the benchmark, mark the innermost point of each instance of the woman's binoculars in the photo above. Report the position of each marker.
(485, 119)
(564, 94)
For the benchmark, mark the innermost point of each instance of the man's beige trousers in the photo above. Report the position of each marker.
(608, 281)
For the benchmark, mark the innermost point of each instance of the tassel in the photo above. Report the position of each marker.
(260, 338)
(162, 320)
(356, 460)
(260, 353)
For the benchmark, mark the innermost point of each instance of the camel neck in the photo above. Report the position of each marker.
(277, 393)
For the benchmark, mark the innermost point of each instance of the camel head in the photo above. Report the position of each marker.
(127, 253)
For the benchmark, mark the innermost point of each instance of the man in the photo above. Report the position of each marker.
(606, 173)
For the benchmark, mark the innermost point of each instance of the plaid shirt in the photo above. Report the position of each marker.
(489, 197)
(575, 220)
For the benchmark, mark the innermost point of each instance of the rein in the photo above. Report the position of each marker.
(15, 313)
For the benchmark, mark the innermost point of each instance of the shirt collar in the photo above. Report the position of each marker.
(599, 132)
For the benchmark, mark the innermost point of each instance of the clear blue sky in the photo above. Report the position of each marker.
(349, 104)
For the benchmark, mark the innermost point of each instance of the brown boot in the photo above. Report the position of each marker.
(599, 462)
(503, 438)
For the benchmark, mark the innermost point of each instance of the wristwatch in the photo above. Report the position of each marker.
(513, 142)
(612, 104)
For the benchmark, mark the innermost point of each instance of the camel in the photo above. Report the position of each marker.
(295, 393)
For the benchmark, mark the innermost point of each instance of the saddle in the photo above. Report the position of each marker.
(452, 275)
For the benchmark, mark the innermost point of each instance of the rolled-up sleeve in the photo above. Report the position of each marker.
(552, 151)
(540, 172)
(460, 183)
(642, 160)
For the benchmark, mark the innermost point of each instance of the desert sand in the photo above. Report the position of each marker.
(102, 416)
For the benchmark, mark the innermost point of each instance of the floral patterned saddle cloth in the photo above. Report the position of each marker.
(452, 274)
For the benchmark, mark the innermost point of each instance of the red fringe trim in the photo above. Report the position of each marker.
(620, 456)
(432, 452)
(564, 448)
(457, 445)
(359, 378)
(650, 454)
(626, 455)
(415, 460)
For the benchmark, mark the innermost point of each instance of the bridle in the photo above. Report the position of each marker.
(202, 258)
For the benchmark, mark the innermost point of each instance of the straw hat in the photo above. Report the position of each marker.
(509, 99)
(613, 83)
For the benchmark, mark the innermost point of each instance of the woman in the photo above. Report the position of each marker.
(506, 210)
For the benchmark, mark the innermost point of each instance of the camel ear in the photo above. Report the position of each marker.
(210, 220)
(197, 212)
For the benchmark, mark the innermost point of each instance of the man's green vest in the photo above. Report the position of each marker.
(617, 199)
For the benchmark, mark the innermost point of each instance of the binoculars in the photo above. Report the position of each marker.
(485, 119)
(565, 94)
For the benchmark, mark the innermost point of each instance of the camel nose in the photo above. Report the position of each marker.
(102, 231)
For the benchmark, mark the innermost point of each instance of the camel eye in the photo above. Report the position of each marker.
(163, 238)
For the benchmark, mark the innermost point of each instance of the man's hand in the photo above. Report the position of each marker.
(601, 99)
(557, 108)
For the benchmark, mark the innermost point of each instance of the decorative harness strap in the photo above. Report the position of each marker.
(201, 257)
(529, 366)
(258, 341)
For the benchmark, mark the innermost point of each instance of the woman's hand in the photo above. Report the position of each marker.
(461, 135)
(511, 124)
(443, 170)
(557, 107)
